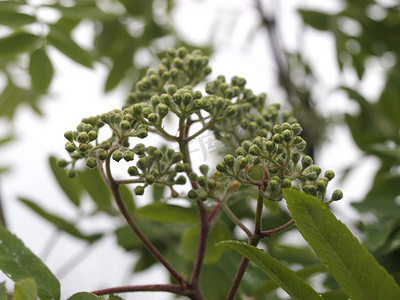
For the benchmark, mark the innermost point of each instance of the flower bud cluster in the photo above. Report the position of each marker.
(178, 67)
(274, 163)
(157, 166)
(207, 185)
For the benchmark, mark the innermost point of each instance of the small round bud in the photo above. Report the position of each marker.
(193, 176)
(286, 183)
(253, 126)
(62, 163)
(221, 167)
(241, 151)
(102, 154)
(211, 184)
(254, 150)
(83, 147)
(180, 167)
(242, 161)
(91, 163)
(178, 156)
(231, 110)
(229, 160)
(162, 110)
(158, 155)
(337, 195)
(287, 135)
(133, 171)
(246, 144)
(117, 156)
(71, 173)
(125, 125)
(202, 181)
(92, 135)
(296, 128)
(312, 176)
(329, 174)
(150, 150)
(171, 89)
(69, 135)
(321, 185)
(152, 118)
(297, 140)
(270, 146)
(146, 112)
(277, 138)
(187, 98)
(70, 147)
(150, 179)
(306, 161)
(139, 149)
(203, 197)
(273, 184)
(198, 104)
(192, 194)
(128, 156)
(139, 190)
(180, 180)
(105, 145)
(82, 137)
(277, 128)
(295, 157)
(204, 169)
(296, 186)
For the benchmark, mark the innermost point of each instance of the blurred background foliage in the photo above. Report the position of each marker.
(129, 35)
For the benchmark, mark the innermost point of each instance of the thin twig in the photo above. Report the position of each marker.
(171, 288)
(272, 232)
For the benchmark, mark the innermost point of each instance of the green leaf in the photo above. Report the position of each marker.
(190, 241)
(82, 12)
(25, 289)
(335, 295)
(354, 268)
(158, 192)
(18, 262)
(65, 44)
(128, 199)
(84, 296)
(72, 188)
(163, 212)
(15, 19)
(3, 291)
(41, 70)
(121, 64)
(288, 280)
(18, 43)
(60, 223)
(316, 19)
(304, 273)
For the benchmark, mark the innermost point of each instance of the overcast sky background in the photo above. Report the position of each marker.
(77, 93)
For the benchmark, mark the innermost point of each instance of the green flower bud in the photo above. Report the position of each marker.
(158, 155)
(178, 63)
(125, 125)
(162, 110)
(198, 104)
(141, 134)
(178, 156)
(277, 138)
(273, 184)
(306, 161)
(70, 147)
(221, 167)
(139, 149)
(287, 135)
(277, 129)
(69, 135)
(229, 160)
(139, 190)
(242, 161)
(211, 184)
(142, 163)
(254, 150)
(329, 174)
(270, 146)
(174, 73)
(204, 169)
(203, 197)
(316, 169)
(150, 179)
(71, 173)
(187, 98)
(146, 112)
(337, 195)
(105, 145)
(92, 135)
(180, 167)
(197, 95)
(152, 118)
(296, 128)
(128, 156)
(241, 151)
(286, 183)
(91, 163)
(295, 157)
(310, 189)
(321, 185)
(62, 163)
(171, 89)
(133, 171)
(253, 126)
(296, 186)
(181, 180)
(231, 110)
(202, 180)
(154, 79)
(192, 194)
(246, 144)
(312, 176)
(117, 156)
(82, 137)
(193, 176)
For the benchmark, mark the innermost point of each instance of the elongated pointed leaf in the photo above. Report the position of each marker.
(60, 223)
(18, 43)
(288, 280)
(354, 268)
(65, 44)
(18, 262)
(41, 70)
(168, 213)
(25, 289)
(15, 19)
(72, 188)
(84, 296)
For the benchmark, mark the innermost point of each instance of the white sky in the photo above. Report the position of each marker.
(77, 92)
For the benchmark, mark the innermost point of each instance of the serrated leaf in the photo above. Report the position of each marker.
(190, 241)
(288, 280)
(15, 19)
(60, 223)
(85, 296)
(41, 70)
(354, 268)
(163, 212)
(316, 19)
(65, 44)
(304, 273)
(18, 262)
(25, 289)
(18, 43)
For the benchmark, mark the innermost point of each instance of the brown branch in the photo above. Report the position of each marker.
(171, 288)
